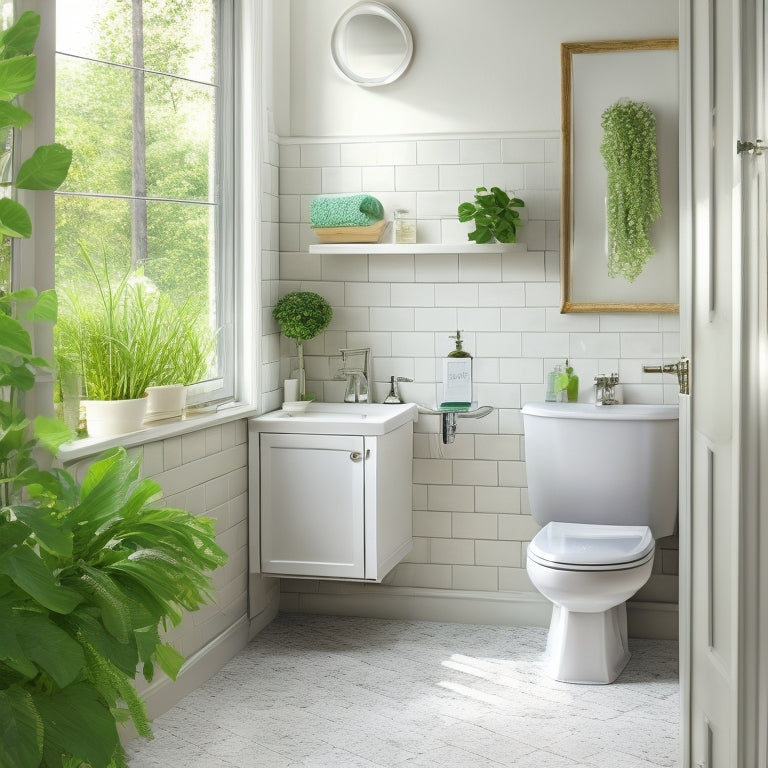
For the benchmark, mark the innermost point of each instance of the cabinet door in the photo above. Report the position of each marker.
(312, 505)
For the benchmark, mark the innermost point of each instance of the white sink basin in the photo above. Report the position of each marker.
(340, 419)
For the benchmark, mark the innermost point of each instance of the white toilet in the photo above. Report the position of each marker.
(602, 480)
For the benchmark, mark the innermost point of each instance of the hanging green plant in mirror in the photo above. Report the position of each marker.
(633, 203)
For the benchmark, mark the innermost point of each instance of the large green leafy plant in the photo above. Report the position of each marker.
(633, 204)
(88, 572)
(493, 214)
(302, 315)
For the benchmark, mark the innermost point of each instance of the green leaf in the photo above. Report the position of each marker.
(46, 168)
(12, 116)
(47, 529)
(51, 433)
(14, 219)
(83, 621)
(78, 723)
(17, 76)
(21, 36)
(45, 308)
(169, 659)
(19, 377)
(30, 573)
(13, 336)
(21, 729)
(48, 646)
(111, 601)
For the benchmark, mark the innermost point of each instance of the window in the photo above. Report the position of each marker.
(143, 99)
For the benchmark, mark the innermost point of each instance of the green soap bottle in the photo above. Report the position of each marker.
(457, 376)
(573, 384)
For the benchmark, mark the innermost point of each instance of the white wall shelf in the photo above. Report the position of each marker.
(370, 248)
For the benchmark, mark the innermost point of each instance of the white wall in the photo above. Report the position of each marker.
(424, 143)
(480, 66)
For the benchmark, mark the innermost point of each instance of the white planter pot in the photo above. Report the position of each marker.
(166, 402)
(107, 418)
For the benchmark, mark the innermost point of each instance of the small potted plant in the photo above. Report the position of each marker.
(186, 363)
(493, 214)
(302, 315)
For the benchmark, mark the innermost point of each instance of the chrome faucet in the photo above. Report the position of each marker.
(604, 394)
(394, 395)
(355, 365)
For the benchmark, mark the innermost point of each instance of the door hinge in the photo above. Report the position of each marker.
(756, 147)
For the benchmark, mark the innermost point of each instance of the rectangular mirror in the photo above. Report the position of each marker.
(595, 76)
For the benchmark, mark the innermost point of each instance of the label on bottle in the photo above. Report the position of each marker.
(457, 380)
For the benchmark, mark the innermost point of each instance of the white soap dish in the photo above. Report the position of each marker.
(296, 406)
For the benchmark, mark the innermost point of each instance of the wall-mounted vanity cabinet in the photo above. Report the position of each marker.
(330, 491)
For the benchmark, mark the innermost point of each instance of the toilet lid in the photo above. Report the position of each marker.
(584, 544)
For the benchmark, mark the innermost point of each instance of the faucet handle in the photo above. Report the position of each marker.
(394, 396)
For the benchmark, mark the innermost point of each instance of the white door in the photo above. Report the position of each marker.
(720, 659)
(312, 505)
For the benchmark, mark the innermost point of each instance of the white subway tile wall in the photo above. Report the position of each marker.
(471, 518)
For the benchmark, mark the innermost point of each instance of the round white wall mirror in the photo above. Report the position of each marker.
(371, 44)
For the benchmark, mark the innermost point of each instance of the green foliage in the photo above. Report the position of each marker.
(493, 214)
(88, 572)
(302, 314)
(94, 118)
(124, 336)
(630, 156)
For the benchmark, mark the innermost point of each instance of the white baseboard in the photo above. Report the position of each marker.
(163, 692)
(646, 619)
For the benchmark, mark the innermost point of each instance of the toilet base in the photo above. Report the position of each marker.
(589, 648)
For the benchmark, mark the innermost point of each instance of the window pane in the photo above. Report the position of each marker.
(178, 35)
(93, 118)
(143, 188)
(179, 237)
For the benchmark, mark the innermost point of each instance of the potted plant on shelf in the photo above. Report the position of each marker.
(493, 214)
(302, 315)
(87, 571)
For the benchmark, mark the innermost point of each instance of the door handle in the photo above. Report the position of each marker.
(681, 369)
(356, 456)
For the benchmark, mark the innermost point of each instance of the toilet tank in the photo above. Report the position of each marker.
(611, 464)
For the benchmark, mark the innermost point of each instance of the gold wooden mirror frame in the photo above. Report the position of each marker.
(594, 76)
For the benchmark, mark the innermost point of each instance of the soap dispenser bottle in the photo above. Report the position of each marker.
(457, 376)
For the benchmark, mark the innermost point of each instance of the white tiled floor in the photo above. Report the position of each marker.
(331, 692)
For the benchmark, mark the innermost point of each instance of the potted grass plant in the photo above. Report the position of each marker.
(88, 571)
(126, 339)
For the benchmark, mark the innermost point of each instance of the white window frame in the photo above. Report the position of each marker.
(221, 388)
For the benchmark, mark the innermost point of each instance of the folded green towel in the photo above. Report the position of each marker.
(345, 211)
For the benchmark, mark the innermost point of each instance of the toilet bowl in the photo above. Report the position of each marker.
(602, 481)
(588, 572)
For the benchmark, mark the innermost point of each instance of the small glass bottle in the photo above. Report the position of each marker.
(405, 227)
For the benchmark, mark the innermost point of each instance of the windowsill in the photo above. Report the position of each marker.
(190, 422)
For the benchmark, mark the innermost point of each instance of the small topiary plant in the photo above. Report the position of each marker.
(494, 215)
(302, 315)
(630, 156)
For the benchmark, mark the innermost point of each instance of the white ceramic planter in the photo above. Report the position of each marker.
(107, 418)
(166, 402)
